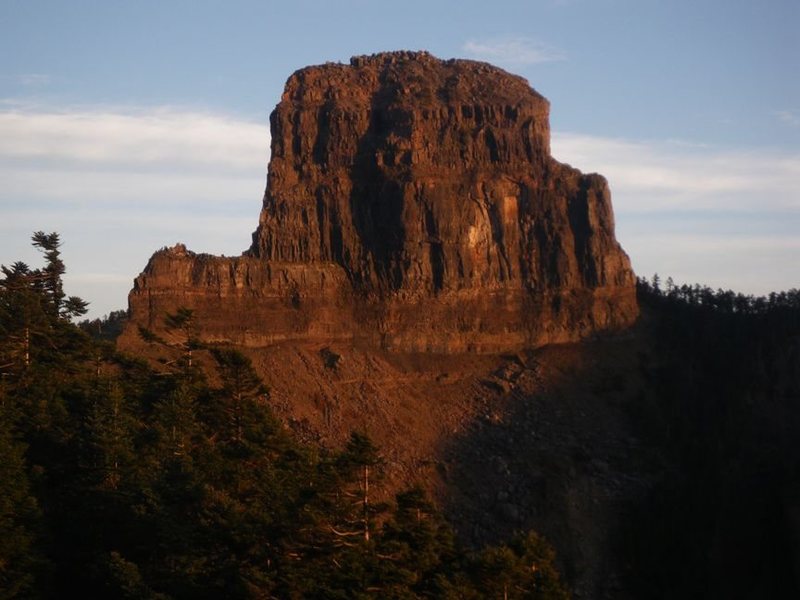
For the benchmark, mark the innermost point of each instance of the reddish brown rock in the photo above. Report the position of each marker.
(411, 203)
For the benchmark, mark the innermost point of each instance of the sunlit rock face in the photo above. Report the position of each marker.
(411, 203)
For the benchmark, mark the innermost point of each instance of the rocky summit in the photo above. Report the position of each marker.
(413, 205)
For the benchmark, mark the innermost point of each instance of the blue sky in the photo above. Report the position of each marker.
(128, 126)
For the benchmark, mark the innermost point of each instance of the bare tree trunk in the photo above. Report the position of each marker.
(238, 417)
(366, 503)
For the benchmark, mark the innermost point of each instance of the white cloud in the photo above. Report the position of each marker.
(134, 139)
(512, 51)
(722, 217)
(34, 79)
(788, 117)
(120, 183)
(670, 175)
(83, 185)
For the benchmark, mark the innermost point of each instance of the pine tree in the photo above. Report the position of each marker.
(49, 278)
(33, 310)
(112, 427)
(19, 515)
(416, 548)
(243, 399)
(525, 568)
(24, 323)
(182, 324)
(174, 421)
(359, 463)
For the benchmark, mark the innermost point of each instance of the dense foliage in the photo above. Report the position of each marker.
(722, 402)
(121, 481)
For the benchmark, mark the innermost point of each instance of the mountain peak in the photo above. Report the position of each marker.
(413, 203)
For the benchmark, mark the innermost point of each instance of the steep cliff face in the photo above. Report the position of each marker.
(412, 203)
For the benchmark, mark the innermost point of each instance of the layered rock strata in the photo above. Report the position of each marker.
(412, 204)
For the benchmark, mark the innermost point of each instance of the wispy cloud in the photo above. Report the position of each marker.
(119, 183)
(788, 117)
(138, 139)
(513, 51)
(723, 217)
(34, 79)
(671, 175)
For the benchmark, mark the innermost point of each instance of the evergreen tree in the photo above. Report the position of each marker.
(182, 324)
(49, 278)
(416, 550)
(358, 464)
(175, 424)
(119, 483)
(242, 399)
(20, 560)
(112, 428)
(24, 323)
(522, 569)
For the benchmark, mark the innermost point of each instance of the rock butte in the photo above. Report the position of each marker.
(412, 204)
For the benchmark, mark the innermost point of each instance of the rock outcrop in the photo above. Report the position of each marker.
(411, 203)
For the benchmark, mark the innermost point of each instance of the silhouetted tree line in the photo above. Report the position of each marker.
(721, 406)
(121, 481)
(107, 328)
(722, 301)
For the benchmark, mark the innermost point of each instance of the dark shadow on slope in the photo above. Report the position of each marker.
(555, 450)
(661, 465)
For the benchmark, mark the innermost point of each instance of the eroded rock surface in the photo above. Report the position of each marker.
(412, 204)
